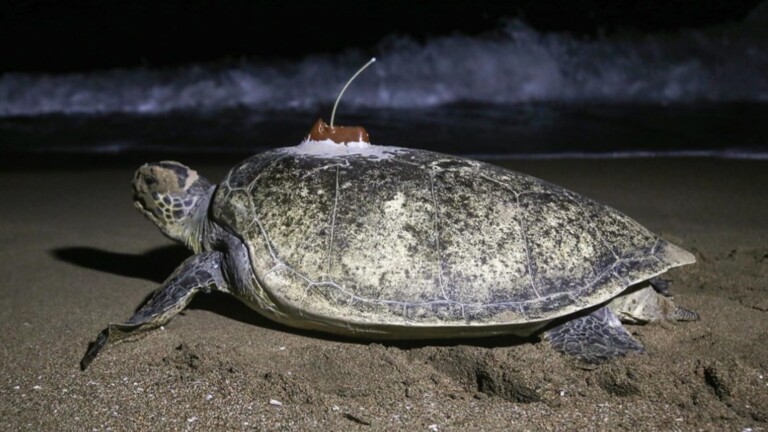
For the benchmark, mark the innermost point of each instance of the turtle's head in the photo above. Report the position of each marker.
(175, 198)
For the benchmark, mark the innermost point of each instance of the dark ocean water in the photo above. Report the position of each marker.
(533, 130)
(513, 93)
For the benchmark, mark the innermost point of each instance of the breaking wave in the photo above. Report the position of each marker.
(512, 65)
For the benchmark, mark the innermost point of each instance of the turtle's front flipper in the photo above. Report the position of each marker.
(593, 338)
(200, 272)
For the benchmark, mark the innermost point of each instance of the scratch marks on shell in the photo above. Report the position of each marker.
(333, 223)
(524, 234)
(437, 235)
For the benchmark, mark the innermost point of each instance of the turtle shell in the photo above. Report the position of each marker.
(371, 237)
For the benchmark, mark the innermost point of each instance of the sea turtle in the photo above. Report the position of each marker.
(381, 242)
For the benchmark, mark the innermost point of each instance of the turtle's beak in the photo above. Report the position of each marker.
(141, 206)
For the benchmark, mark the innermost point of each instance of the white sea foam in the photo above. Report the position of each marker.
(328, 149)
(516, 64)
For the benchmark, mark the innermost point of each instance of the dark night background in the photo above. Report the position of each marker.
(55, 36)
(542, 77)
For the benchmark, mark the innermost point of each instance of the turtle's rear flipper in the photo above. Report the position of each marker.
(200, 272)
(642, 304)
(593, 338)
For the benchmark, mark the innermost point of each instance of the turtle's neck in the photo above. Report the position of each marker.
(198, 229)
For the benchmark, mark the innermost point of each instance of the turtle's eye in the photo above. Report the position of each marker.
(150, 181)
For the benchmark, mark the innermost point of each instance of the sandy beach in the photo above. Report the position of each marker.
(76, 255)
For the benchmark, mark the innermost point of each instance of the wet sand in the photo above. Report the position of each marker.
(75, 255)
